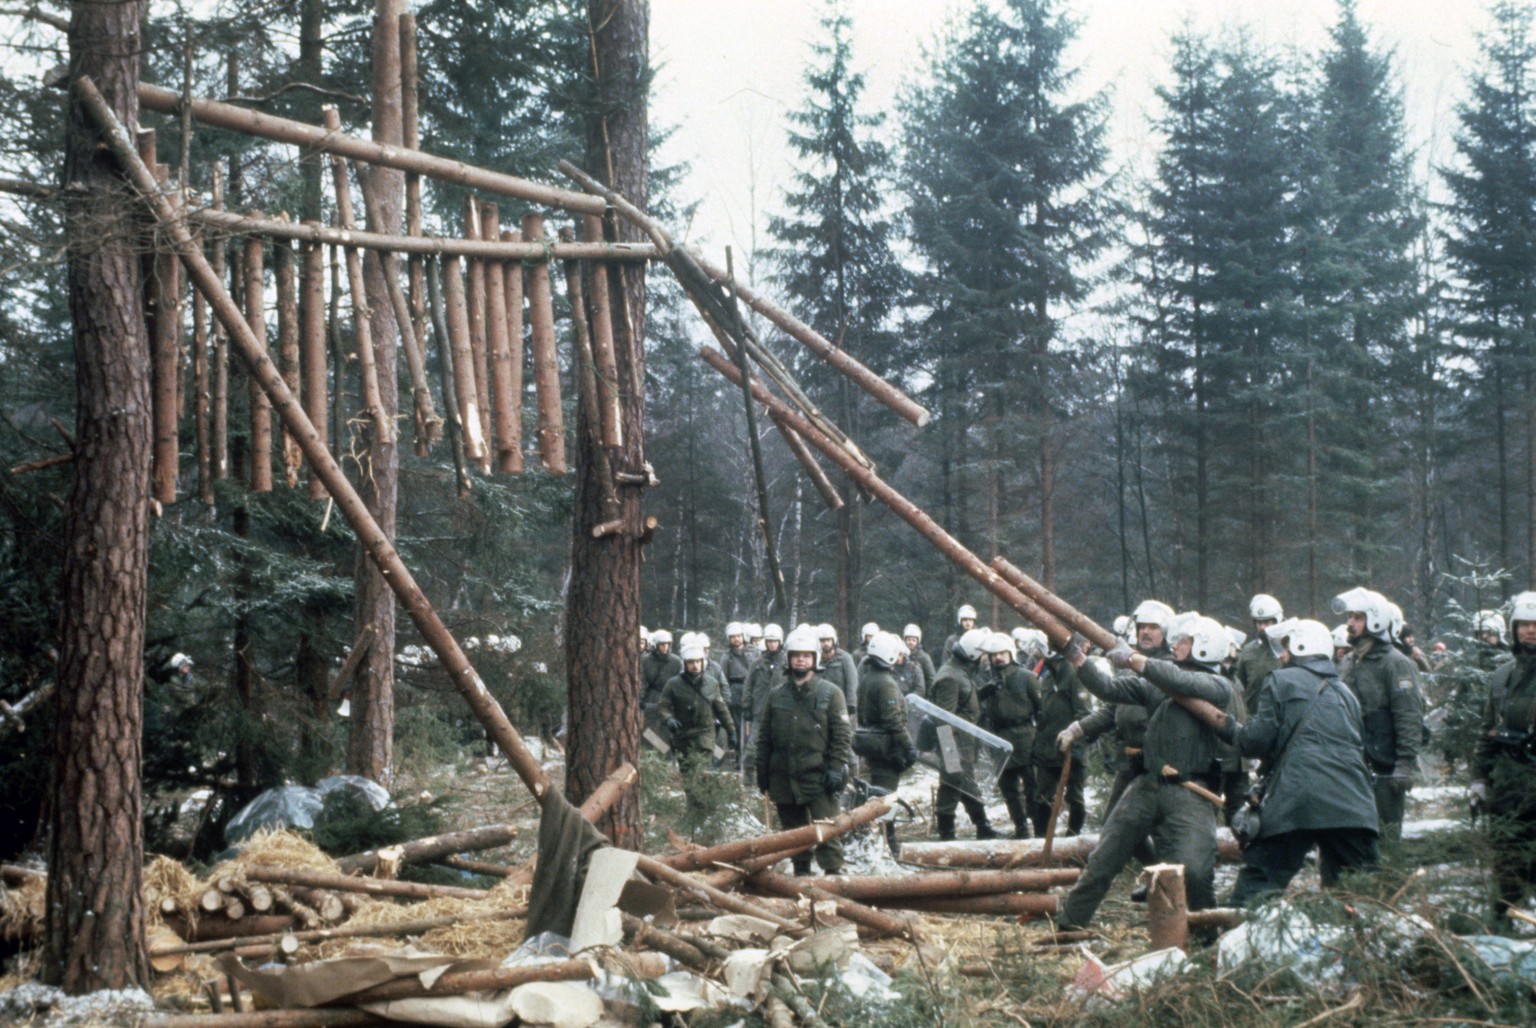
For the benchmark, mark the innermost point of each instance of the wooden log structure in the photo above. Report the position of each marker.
(1007, 904)
(1167, 908)
(202, 428)
(504, 406)
(778, 843)
(474, 295)
(362, 328)
(312, 349)
(448, 377)
(288, 347)
(222, 929)
(878, 888)
(546, 367)
(1006, 854)
(586, 393)
(454, 983)
(163, 313)
(410, 926)
(373, 541)
(217, 114)
(877, 922)
(605, 361)
(410, 138)
(261, 405)
(510, 447)
(219, 389)
(457, 304)
(349, 883)
(829, 494)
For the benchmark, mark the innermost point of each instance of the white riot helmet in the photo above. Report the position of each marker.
(912, 632)
(1373, 605)
(692, 651)
(661, 635)
(688, 639)
(969, 645)
(645, 634)
(1489, 621)
(1522, 608)
(1032, 641)
(996, 642)
(1277, 632)
(826, 631)
(1124, 627)
(1398, 622)
(1309, 638)
(965, 611)
(754, 631)
(885, 648)
(735, 628)
(181, 662)
(802, 640)
(1341, 637)
(701, 639)
(775, 632)
(1208, 640)
(868, 631)
(1152, 612)
(1265, 607)
(1020, 636)
(1180, 626)
(1238, 638)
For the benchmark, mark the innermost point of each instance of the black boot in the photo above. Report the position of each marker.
(890, 840)
(1016, 815)
(978, 816)
(1076, 815)
(802, 867)
(946, 827)
(1040, 817)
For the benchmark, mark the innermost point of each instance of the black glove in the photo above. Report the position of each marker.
(833, 780)
(762, 779)
(1228, 731)
(674, 725)
(909, 755)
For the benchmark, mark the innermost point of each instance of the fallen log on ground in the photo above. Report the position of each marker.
(455, 983)
(1003, 854)
(875, 888)
(370, 886)
(878, 922)
(1217, 917)
(412, 927)
(324, 1018)
(1006, 903)
(791, 841)
(211, 929)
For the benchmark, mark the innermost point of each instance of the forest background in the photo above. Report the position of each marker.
(1281, 354)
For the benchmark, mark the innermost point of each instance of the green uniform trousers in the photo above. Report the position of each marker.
(823, 807)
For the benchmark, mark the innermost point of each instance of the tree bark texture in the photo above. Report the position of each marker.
(603, 604)
(94, 936)
(371, 743)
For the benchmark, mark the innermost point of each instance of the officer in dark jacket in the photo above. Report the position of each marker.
(908, 674)
(838, 668)
(1010, 707)
(882, 738)
(1062, 703)
(737, 665)
(1256, 659)
(1391, 707)
(658, 667)
(1504, 762)
(1316, 790)
(690, 707)
(954, 691)
(766, 672)
(1178, 748)
(965, 620)
(803, 748)
(912, 635)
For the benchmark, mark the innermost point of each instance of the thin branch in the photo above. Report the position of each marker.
(269, 97)
(52, 20)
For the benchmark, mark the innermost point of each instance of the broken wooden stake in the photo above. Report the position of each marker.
(463, 362)
(288, 348)
(511, 448)
(474, 293)
(312, 350)
(1167, 909)
(261, 406)
(504, 408)
(546, 367)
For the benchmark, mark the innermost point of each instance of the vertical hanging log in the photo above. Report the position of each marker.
(287, 346)
(163, 319)
(474, 291)
(606, 364)
(497, 343)
(261, 406)
(463, 361)
(512, 274)
(345, 220)
(448, 378)
(200, 387)
(546, 368)
(587, 388)
(219, 390)
(340, 405)
(411, 137)
(312, 348)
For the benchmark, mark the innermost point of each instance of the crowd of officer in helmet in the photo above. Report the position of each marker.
(1319, 747)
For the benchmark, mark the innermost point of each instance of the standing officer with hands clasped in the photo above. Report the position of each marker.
(803, 742)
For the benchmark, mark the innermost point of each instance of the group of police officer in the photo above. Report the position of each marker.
(1334, 719)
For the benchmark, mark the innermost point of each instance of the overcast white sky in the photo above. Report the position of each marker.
(729, 70)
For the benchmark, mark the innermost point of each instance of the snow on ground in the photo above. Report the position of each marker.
(44, 1006)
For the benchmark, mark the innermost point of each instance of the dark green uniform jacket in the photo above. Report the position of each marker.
(1254, 663)
(1510, 708)
(884, 709)
(954, 690)
(909, 678)
(695, 701)
(802, 731)
(655, 672)
(737, 664)
(1062, 701)
(1323, 781)
(1174, 737)
(1010, 707)
(764, 677)
(920, 657)
(1391, 708)
(840, 670)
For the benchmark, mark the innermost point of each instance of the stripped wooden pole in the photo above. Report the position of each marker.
(829, 494)
(447, 376)
(812, 834)
(333, 141)
(312, 349)
(372, 539)
(163, 312)
(361, 327)
(1024, 904)
(219, 391)
(348, 883)
(474, 290)
(288, 347)
(1056, 803)
(546, 368)
(261, 406)
(499, 347)
(586, 391)
(410, 137)
(879, 922)
(416, 926)
(201, 384)
(511, 447)
(606, 366)
(877, 888)
(455, 983)
(463, 362)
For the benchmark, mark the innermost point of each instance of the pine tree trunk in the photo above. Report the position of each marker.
(603, 604)
(94, 935)
(371, 742)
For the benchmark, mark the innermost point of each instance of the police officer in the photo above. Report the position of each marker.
(1504, 762)
(1062, 704)
(954, 690)
(882, 738)
(1256, 660)
(1010, 705)
(1306, 729)
(907, 672)
(865, 635)
(658, 667)
(1391, 707)
(965, 617)
(1178, 748)
(838, 668)
(690, 707)
(737, 664)
(912, 635)
(767, 671)
(803, 748)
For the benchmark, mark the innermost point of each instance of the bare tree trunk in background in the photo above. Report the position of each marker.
(603, 604)
(94, 935)
(370, 746)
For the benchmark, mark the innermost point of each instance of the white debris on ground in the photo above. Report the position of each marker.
(44, 1006)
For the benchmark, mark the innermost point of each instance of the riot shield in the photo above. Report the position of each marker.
(964, 755)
